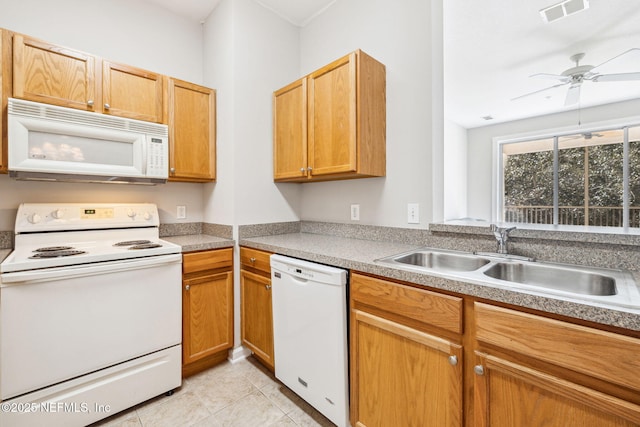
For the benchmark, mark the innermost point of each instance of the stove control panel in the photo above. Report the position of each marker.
(35, 217)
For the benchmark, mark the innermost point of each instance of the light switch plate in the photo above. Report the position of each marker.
(355, 212)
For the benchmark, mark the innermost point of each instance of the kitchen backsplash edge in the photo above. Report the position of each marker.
(268, 229)
(591, 249)
(193, 228)
(6, 239)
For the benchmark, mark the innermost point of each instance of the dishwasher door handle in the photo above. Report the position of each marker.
(295, 278)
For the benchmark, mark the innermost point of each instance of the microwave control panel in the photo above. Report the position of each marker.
(157, 155)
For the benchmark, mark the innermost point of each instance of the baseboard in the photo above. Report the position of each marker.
(239, 353)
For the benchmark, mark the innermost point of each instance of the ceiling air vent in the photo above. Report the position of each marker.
(563, 9)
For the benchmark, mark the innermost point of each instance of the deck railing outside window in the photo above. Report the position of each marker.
(603, 216)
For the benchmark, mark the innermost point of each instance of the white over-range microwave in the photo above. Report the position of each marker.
(54, 143)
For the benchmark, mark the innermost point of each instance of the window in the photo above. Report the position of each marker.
(582, 178)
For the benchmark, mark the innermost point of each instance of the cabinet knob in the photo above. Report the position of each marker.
(309, 168)
(252, 260)
(107, 106)
(478, 369)
(172, 170)
(303, 170)
(453, 360)
(267, 287)
(90, 103)
(186, 288)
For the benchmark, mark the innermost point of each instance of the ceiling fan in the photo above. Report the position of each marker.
(584, 135)
(575, 76)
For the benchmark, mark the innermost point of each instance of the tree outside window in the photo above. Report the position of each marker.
(594, 182)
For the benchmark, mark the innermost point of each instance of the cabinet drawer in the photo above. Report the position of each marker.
(254, 258)
(443, 311)
(600, 354)
(207, 260)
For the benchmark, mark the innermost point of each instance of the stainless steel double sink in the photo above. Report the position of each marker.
(599, 285)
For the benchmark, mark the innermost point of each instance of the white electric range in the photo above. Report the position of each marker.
(90, 313)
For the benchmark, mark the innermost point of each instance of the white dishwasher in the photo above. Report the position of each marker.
(310, 333)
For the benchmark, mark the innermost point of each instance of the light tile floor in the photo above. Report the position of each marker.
(243, 394)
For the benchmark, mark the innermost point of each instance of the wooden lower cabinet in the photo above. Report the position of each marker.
(534, 371)
(255, 306)
(509, 394)
(400, 374)
(207, 309)
(423, 358)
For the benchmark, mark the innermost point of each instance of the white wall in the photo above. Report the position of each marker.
(398, 34)
(132, 32)
(480, 142)
(455, 171)
(249, 52)
(246, 52)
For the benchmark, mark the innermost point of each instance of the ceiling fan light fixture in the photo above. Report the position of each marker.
(563, 9)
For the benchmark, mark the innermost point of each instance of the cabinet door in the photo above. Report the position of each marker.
(131, 92)
(290, 132)
(332, 117)
(401, 376)
(52, 74)
(257, 316)
(207, 305)
(5, 92)
(192, 132)
(508, 394)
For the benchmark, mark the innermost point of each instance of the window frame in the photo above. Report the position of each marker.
(497, 208)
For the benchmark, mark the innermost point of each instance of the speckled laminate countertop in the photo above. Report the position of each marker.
(357, 254)
(200, 242)
(4, 253)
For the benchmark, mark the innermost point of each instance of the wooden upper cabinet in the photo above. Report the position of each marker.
(192, 132)
(290, 131)
(44, 72)
(332, 117)
(343, 120)
(5, 92)
(132, 92)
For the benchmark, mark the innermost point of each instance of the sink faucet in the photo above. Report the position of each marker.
(502, 235)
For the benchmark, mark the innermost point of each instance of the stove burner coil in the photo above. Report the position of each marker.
(132, 243)
(146, 246)
(53, 249)
(56, 254)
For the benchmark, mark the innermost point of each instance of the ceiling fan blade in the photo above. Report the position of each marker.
(538, 91)
(562, 78)
(620, 77)
(634, 50)
(573, 95)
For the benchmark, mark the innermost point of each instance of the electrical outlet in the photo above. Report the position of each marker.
(181, 212)
(355, 212)
(413, 213)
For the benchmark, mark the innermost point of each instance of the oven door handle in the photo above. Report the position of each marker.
(48, 274)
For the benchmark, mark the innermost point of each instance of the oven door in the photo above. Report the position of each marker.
(60, 323)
